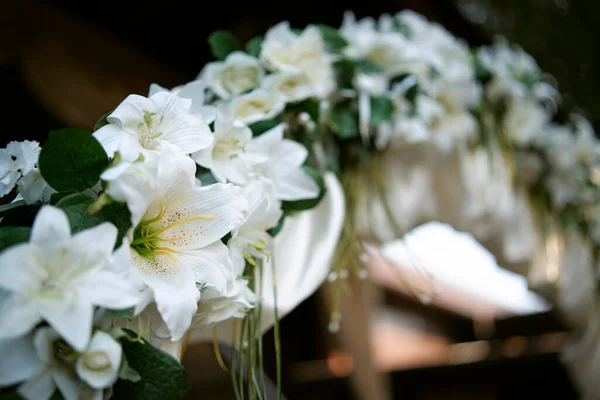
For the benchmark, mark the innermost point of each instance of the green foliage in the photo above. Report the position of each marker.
(382, 109)
(72, 159)
(10, 206)
(277, 228)
(12, 235)
(344, 121)
(260, 127)
(162, 376)
(76, 207)
(102, 121)
(307, 204)
(334, 42)
(222, 43)
(254, 46)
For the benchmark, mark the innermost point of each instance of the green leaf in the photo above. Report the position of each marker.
(76, 207)
(300, 205)
(23, 215)
(127, 373)
(334, 42)
(344, 71)
(72, 159)
(222, 43)
(7, 207)
(368, 67)
(162, 376)
(260, 127)
(206, 178)
(344, 121)
(254, 46)
(102, 121)
(12, 235)
(382, 109)
(277, 228)
(309, 106)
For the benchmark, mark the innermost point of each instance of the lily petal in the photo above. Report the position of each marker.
(18, 315)
(211, 265)
(39, 387)
(203, 215)
(21, 268)
(73, 320)
(174, 290)
(50, 227)
(297, 185)
(19, 360)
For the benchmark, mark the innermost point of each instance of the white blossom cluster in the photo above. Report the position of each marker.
(183, 261)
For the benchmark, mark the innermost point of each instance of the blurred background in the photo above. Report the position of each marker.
(66, 63)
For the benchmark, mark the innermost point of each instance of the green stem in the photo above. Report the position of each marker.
(276, 330)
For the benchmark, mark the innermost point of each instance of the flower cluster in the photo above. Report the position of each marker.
(160, 221)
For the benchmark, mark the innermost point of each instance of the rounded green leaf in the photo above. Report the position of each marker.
(72, 159)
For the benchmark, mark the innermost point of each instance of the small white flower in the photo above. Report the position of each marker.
(293, 86)
(98, 365)
(195, 91)
(215, 306)
(33, 187)
(226, 157)
(16, 160)
(524, 121)
(283, 50)
(237, 74)
(251, 239)
(141, 124)
(281, 163)
(175, 242)
(60, 278)
(257, 105)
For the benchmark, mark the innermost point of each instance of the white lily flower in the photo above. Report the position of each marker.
(141, 124)
(60, 278)
(257, 105)
(17, 160)
(283, 50)
(98, 366)
(215, 307)
(251, 239)
(293, 86)
(195, 91)
(237, 74)
(33, 187)
(282, 162)
(175, 241)
(225, 158)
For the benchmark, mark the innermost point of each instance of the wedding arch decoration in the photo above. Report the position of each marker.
(208, 211)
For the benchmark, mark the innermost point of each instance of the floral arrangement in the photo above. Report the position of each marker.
(120, 243)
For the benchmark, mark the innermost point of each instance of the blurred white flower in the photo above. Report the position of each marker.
(293, 86)
(237, 74)
(525, 121)
(19, 360)
(60, 278)
(17, 160)
(33, 187)
(215, 306)
(226, 156)
(196, 92)
(250, 239)
(283, 50)
(257, 105)
(281, 162)
(98, 365)
(142, 125)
